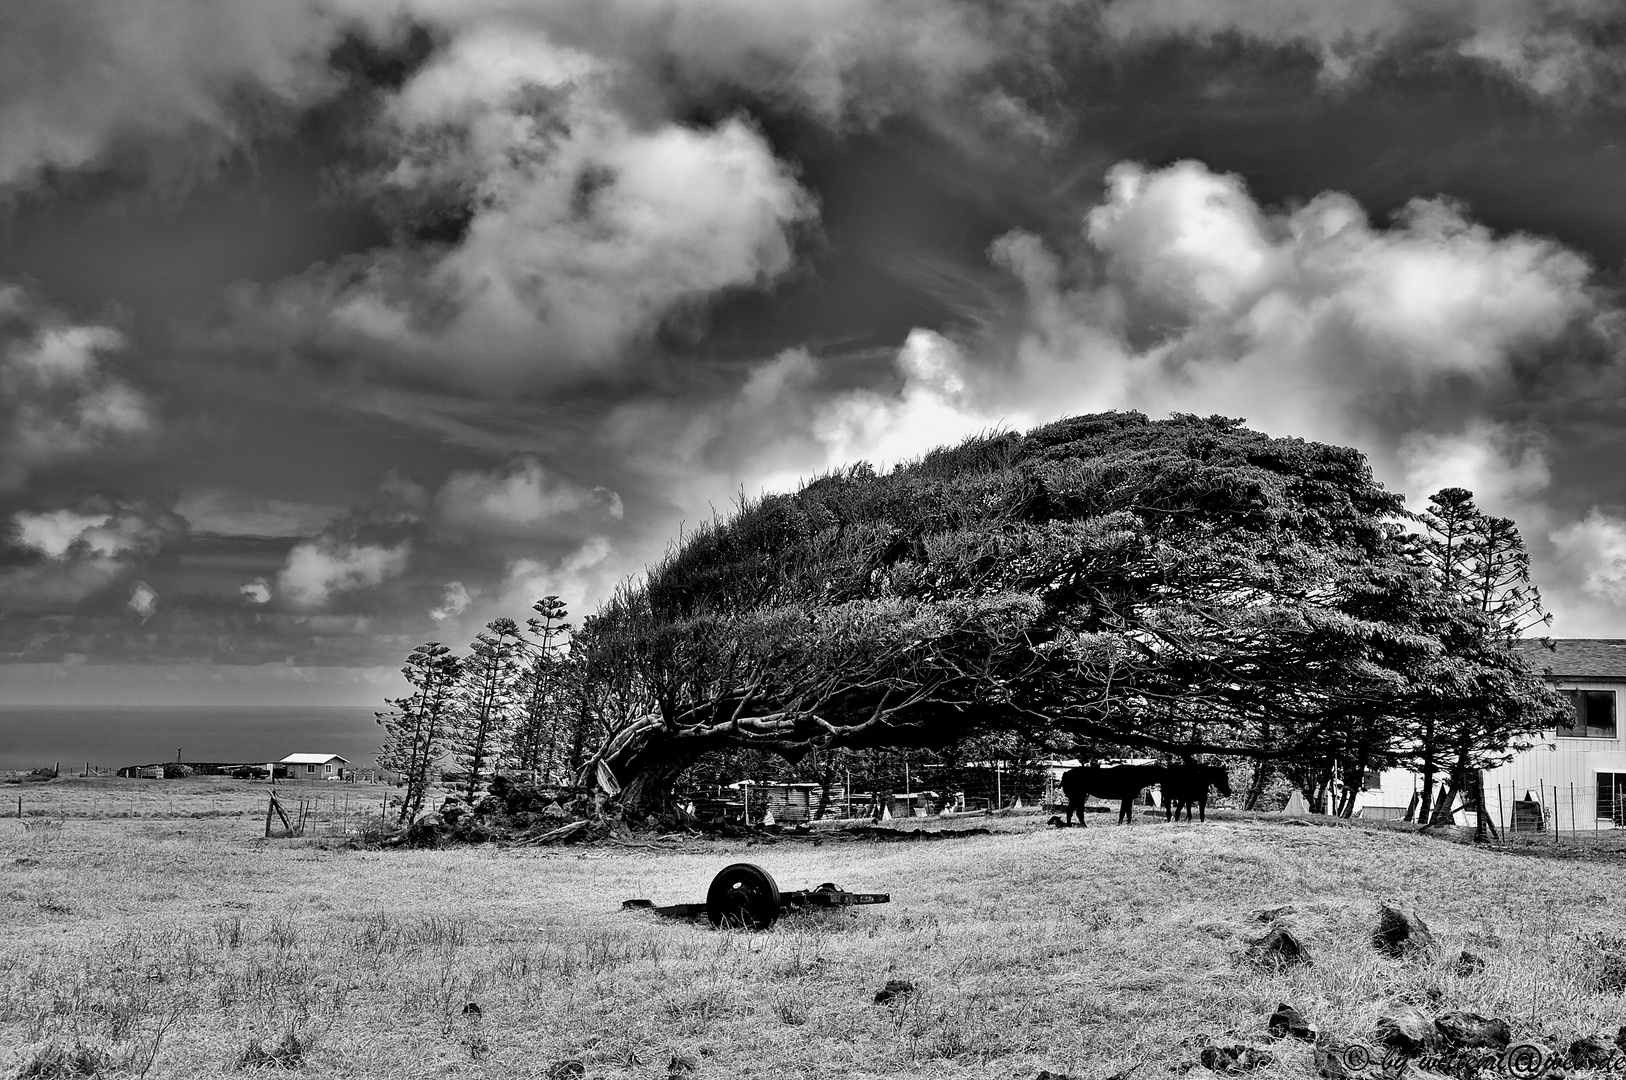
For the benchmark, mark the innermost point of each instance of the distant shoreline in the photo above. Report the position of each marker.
(110, 736)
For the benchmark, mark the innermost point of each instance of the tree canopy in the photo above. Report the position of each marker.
(1185, 585)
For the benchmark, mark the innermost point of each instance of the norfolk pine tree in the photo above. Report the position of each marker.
(485, 698)
(415, 726)
(536, 735)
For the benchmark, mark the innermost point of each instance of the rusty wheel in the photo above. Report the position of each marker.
(743, 895)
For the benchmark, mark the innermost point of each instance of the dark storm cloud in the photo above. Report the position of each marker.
(488, 299)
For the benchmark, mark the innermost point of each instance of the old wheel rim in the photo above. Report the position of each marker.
(743, 895)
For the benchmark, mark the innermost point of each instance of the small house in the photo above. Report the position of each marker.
(315, 766)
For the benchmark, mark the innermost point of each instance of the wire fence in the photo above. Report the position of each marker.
(1557, 808)
(336, 815)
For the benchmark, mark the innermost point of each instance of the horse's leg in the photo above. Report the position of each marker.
(1202, 807)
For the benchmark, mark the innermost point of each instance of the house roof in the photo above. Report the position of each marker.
(311, 759)
(1577, 658)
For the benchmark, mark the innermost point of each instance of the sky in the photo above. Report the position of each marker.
(329, 327)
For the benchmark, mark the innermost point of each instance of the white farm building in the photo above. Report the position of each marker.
(1572, 778)
(315, 766)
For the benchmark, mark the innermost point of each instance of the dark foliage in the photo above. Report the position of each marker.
(1184, 586)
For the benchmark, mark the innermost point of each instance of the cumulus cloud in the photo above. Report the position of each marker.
(57, 401)
(143, 600)
(520, 497)
(1552, 47)
(1311, 320)
(454, 602)
(1595, 547)
(80, 82)
(317, 569)
(590, 572)
(257, 591)
(584, 228)
(69, 555)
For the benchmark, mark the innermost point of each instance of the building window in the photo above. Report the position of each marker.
(1612, 797)
(1372, 780)
(1592, 715)
(310, 768)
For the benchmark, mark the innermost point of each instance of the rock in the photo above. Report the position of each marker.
(1589, 1053)
(1466, 1030)
(1400, 933)
(1278, 949)
(1287, 1021)
(1332, 1061)
(1468, 964)
(1407, 1029)
(895, 988)
(1232, 1060)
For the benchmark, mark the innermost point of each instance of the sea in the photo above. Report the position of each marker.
(111, 737)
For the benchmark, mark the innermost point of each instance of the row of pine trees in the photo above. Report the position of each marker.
(504, 707)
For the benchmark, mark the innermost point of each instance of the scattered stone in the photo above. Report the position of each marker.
(895, 988)
(1407, 1029)
(1332, 1060)
(1589, 1053)
(681, 1065)
(1270, 915)
(1278, 949)
(1400, 933)
(1233, 1060)
(1466, 1030)
(1468, 964)
(1287, 1022)
(566, 1070)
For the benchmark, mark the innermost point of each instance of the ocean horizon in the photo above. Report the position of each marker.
(110, 737)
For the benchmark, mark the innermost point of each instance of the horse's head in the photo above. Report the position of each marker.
(1220, 777)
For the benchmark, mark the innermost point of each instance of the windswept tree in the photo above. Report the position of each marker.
(1185, 586)
(485, 700)
(415, 726)
(544, 721)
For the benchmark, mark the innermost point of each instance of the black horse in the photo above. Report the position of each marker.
(1187, 784)
(1124, 782)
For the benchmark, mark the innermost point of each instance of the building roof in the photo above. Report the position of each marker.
(1577, 658)
(311, 759)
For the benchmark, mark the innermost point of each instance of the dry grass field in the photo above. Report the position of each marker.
(172, 946)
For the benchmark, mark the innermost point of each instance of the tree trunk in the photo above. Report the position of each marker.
(1483, 829)
(1427, 801)
(1256, 786)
